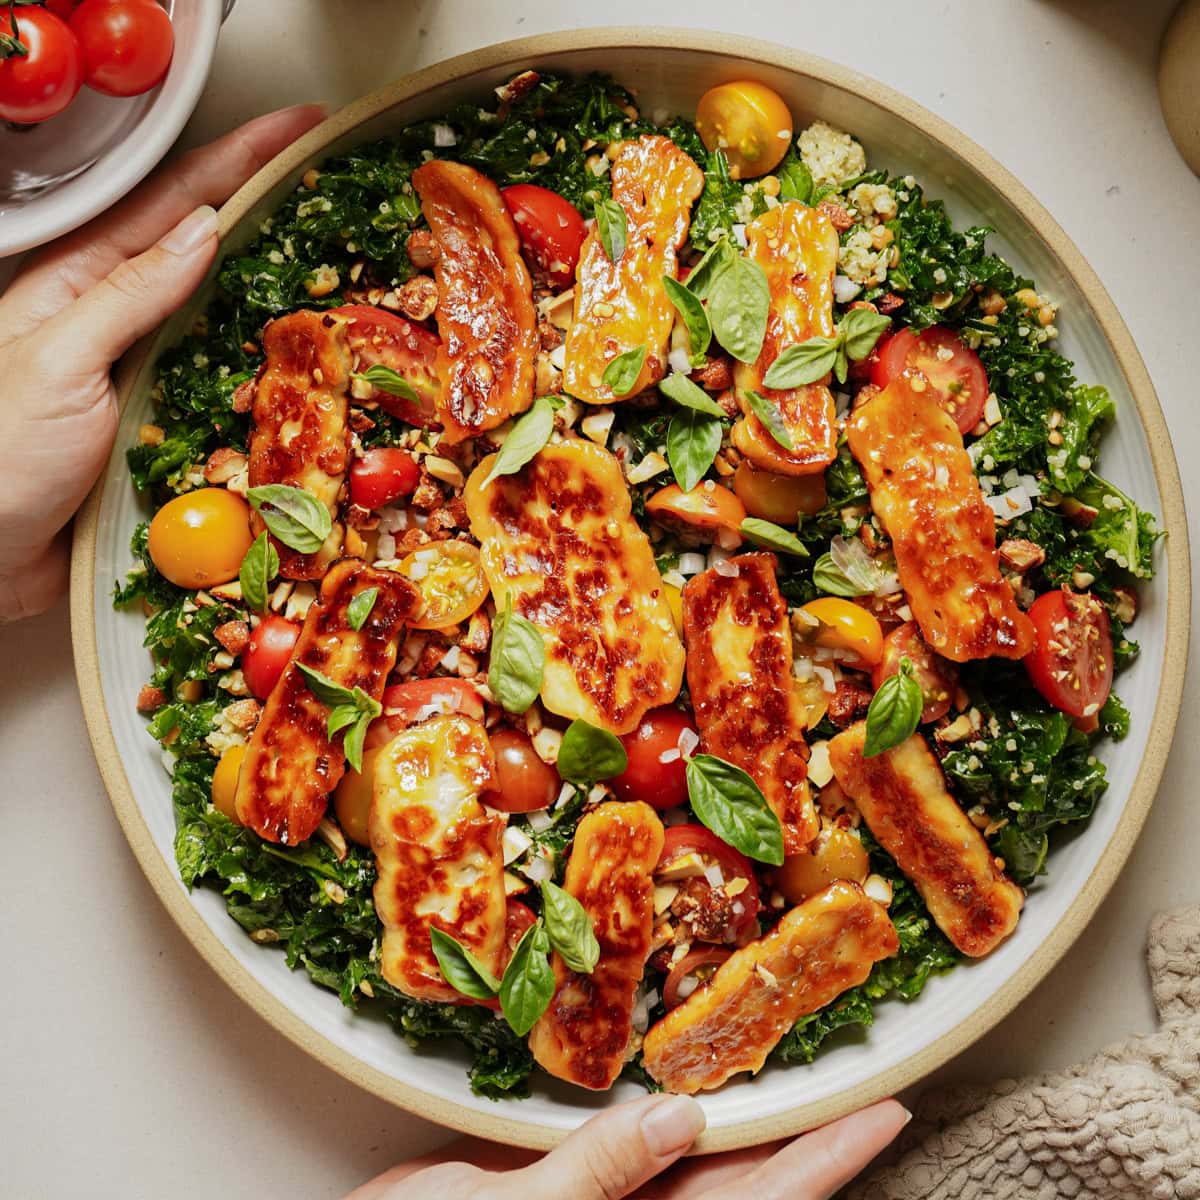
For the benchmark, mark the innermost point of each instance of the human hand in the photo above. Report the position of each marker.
(620, 1152)
(73, 310)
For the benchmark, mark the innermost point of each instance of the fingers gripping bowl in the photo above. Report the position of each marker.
(954, 1008)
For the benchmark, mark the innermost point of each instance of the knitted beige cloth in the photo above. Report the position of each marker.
(1123, 1126)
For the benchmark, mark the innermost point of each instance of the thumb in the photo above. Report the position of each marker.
(138, 294)
(614, 1153)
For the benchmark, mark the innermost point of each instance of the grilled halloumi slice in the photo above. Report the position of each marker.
(584, 1034)
(902, 797)
(797, 248)
(819, 949)
(291, 765)
(438, 852)
(558, 541)
(301, 435)
(622, 305)
(925, 494)
(485, 312)
(739, 671)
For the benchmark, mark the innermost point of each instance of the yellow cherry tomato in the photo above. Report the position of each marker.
(749, 122)
(674, 598)
(352, 800)
(838, 854)
(199, 539)
(846, 626)
(778, 498)
(450, 578)
(706, 506)
(225, 781)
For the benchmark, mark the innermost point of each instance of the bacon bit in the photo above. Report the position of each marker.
(850, 701)
(417, 298)
(423, 250)
(150, 699)
(1020, 554)
(243, 714)
(358, 517)
(243, 396)
(479, 633)
(359, 421)
(430, 657)
(428, 495)
(889, 302)
(863, 304)
(716, 375)
(838, 215)
(412, 539)
(233, 635)
(728, 401)
(517, 86)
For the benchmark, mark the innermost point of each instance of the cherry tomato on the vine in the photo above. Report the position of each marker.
(41, 67)
(127, 45)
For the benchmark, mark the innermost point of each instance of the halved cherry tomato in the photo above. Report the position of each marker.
(647, 777)
(225, 781)
(450, 578)
(550, 228)
(267, 653)
(952, 369)
(706, 506)
(524, 783)
(838, 854)
(127, 45)
(1071, 662)
(700, 964)
(937, 677)
(749, 122)
(39, 83)
(405, 704)
(199, 539)
(846, 626)
(688, 849)
(381, 476)
(381, 338)
(778, 498)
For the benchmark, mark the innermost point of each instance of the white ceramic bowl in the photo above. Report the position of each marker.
(57, 175)
(669, 69)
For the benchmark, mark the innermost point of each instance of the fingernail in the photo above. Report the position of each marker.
(907, 1115)
(192, 232)
(672, 1125)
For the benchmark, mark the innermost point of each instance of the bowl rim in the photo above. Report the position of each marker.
(409, 1096)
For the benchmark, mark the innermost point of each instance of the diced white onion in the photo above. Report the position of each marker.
(713, 875)
(1007, 505)
(564, 793)
(418, 571)
(687, 985)
(691, 563)
(820, 770)
(450, 658)
(689, 739)
(515, 842)
(728, 539)
(539, 820)
(444, 136)
(825, 675)
(558, 357)
(539, 870)
(845, 289)
(802, 668)
(678, 360)
(739, 235)
(716, 554)
(726, 568)
(670, 755)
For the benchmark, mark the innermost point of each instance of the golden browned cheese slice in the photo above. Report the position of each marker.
(558, 541)
(820, 949)
(902, 796)
(584, 1034)
(438, 853)
(485, 311)
(925, 494)
(301, 434)
(291, 765)
(739, 671)
(797, 248)
(622, 305)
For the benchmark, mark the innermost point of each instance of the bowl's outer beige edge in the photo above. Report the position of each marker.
(527, 52)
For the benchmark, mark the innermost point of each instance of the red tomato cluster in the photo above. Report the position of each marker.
(118, 47)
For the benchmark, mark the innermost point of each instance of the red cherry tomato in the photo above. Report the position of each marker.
(405, 704)
(954, 371)
(381, 476)
(381, 338)
(660, 784)
(700, 964)
(936, 676)
(524, 783)
(40, 83)
(127, 45)
(680, 841)
(517, 918)
(550, 228)
(1071, 662)
(62, 8)
(268, 652)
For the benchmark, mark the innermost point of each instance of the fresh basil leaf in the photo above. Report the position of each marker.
(518, 661)
(588, 754)
(612, 226)
(841, 365)
(695, 319)
(731, 804)
(347, 708)
(528, 984)
(693, 439)
(570, 929)
(860, 330)
(739, 299)
(524, 440)
(895, 711)
(828, 577)
(716, 258)
(300, 521)
(460, 968)
(352, 743)
(340, 716)
(795, 180)
(767, 411)
(329, 693)
(359, 609)
(802, 364)
(684, 392)
(258, 568)
(621, 374)
(773, 537)
(387, 380)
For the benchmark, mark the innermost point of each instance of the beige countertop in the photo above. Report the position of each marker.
(128, 1068)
